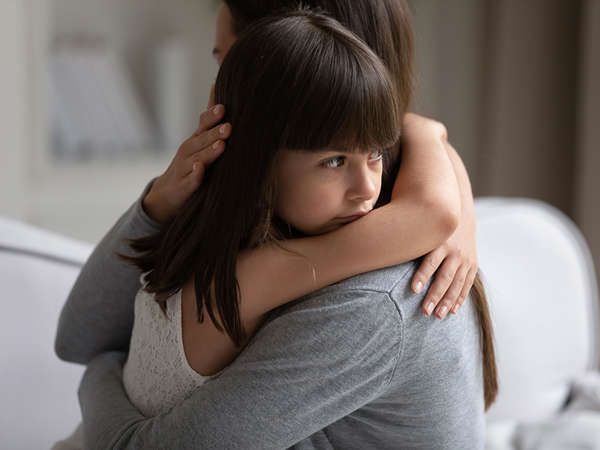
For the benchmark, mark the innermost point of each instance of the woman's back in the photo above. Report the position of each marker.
(418, 407)
(359, 350)
(355, 363)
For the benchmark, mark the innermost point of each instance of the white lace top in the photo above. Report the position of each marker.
(157, 375)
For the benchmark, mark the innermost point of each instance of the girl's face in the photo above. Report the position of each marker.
(318, 192)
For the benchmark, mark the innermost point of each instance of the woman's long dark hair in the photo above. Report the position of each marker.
(386, 27)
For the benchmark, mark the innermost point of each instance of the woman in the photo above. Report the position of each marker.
(209, 278)
(339, 379)
(288, 165)
(418, 220)
(304, 171)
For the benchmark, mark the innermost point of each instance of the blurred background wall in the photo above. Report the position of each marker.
(515, 82)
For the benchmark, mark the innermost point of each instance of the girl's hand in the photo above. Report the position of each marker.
(455, 261)
(458, 260)
(185, 173)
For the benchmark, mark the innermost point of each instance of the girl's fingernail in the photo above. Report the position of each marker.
(418, 287)
(455, 309)
(194, 167)
(429, 308)
(217, 110)
(215, 146)
(442, 312)
(222, 129)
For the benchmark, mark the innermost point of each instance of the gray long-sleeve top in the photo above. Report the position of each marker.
(355, 365)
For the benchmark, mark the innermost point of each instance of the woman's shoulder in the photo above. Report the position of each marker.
(386, 280)
(348, 316)
(369, 296)
(389, 281)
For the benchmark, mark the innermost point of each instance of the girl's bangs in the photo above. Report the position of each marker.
(351, 107)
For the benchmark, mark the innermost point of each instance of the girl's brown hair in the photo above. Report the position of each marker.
(386, 27)
(298, 82)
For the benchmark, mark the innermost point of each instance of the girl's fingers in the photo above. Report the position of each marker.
(466, 289)
(426, 270)
(453, 293)
(443, 278)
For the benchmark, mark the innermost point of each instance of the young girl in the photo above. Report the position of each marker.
(317, 166)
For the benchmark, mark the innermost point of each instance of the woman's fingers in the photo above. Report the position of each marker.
(186, 171)
(198, 163)
(194, 179)
(466, 289)
(206, 147)
(207, 139)
(452, 295)
(206, 156)
(427, 268)
(443, 278)
(209, 118)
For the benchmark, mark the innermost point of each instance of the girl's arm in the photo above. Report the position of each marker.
(98, 315)
(423, 214)
(456, 258)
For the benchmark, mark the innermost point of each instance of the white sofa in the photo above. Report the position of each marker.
(541, 287)
(541, 284)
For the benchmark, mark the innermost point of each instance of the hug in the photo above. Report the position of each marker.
(275, 287)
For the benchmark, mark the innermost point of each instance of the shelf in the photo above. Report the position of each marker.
(83, 199)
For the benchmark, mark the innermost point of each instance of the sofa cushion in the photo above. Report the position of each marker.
(38, 391)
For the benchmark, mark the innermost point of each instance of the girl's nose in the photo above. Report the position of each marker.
(363, 184)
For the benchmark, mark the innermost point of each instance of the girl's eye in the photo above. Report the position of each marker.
(333, 163)
(376, 155)
(339, 161)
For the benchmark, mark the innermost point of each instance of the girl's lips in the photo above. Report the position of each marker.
(354, 217)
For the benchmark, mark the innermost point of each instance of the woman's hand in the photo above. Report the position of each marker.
(185, 173)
